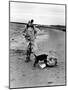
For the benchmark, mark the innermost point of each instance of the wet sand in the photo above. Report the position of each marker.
(23, 74)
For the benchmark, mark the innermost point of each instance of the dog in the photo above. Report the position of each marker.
(42, 57)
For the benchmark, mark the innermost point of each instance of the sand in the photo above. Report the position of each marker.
(23, 74)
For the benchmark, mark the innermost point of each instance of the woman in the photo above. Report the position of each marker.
(30, 34)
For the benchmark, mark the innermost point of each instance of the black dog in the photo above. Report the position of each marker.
(42, 57)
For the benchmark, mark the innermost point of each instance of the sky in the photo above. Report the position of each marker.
(45, 14)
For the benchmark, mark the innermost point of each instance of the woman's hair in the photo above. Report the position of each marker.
(32, 20)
